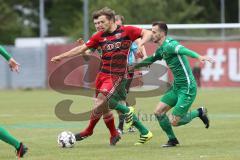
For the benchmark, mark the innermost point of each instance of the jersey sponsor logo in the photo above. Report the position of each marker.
(109, 47)
(116, 45)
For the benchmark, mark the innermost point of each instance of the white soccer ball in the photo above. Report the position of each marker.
(66, 139)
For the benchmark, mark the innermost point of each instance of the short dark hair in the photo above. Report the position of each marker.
(119, 17)
(162, 26)
(109, 13)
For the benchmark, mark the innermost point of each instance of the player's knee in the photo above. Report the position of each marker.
(101, 99)
(107, 114)
(159, 111)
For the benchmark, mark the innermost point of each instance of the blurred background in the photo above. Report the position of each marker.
(34, 31)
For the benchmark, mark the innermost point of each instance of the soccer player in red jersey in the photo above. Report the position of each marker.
(108, 116)
(114, 42)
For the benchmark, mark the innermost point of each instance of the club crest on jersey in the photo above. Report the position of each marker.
(118, 35)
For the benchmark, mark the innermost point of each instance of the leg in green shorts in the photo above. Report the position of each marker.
(180, 99)
(166, 103)
(180, 113)
(120, 95)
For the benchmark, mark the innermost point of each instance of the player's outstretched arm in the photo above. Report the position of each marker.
(73, 52)
(13, 65)
(5, 54)
(146, 62)
(205, 58)
(186, 51)
(193, 54)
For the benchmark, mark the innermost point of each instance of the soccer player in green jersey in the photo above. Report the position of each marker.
(4, 135)
(183, 90)
(133, 56)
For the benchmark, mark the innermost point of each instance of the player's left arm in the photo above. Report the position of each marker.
(13, 64)
(5, 54)
(143, 54)
(146, 36)
(135, 33)
(185, 51)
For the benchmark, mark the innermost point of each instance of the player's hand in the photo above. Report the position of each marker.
(139, 55)
(56, 59)
(80, 41)
(130, 68)
(203, 59)
(140, 52)
(13, 65)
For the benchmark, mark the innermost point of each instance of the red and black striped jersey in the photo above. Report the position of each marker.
(115, 48)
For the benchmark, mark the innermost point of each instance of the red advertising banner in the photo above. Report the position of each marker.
(225, 72)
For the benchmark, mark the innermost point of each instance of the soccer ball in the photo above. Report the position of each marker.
(66, 139)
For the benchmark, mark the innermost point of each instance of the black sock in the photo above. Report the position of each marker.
(121, 121)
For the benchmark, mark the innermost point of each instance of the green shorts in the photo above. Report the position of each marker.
(180, 98)
(120, 94)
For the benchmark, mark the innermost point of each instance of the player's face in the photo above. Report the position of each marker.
(97, 24)
(157, 35)
(104, 23)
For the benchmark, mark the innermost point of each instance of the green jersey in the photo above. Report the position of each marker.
(174, 55)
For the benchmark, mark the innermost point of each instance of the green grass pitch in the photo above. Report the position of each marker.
(29, 115)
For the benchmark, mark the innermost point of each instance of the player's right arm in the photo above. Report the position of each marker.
(148, 61)
(79, 50)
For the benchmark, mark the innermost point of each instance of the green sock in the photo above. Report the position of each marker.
(8, 138)
(136, 123)
(117, 106)
(188, 117)
(165, 125)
